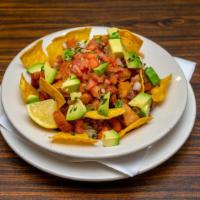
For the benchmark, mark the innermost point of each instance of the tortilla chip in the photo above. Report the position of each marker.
(129, 116)
(130, 41)
(141, 73)
(34, 55)
(135, 125)
(52, 91)
(159, 92)
(99, 36)
(26, 89)
(113, 112)
(55, 48)
(83, 138)
(124, 88)
(58, 84)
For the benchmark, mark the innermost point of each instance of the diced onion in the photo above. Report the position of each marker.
(103, 90)
(137, 86)
(81, 44)
(119, 62)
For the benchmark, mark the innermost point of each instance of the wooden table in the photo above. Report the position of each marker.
(173, 24)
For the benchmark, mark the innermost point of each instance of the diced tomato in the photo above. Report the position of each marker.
(112, 89)
(92, 45)
(93, 62)
(124, 74)
(71, 43)
(58, 62)
(84, 65)
(148, 86)
(90, 55)
(100, 133)
(76, 70)
(107, 82)
(78, 56)
(113, 61)
(83, 87)
(113, 98)
(95, 104)
(116, 125)
(103, 57)
(43, 96)
(114, 78)
(95, 77)
(35, 77)
(84, 77)
(79, 126)
(114, 69)
(86, 98)
(63, 109)
(65, 70)
(95, 91)
(91, 84)
(61, 122)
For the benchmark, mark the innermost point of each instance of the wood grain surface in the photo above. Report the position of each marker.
(173, 24)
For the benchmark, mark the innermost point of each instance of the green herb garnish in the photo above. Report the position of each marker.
(118, 103)
(68, 54)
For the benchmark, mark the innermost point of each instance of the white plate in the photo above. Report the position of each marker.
(91, 171)
(165, 116)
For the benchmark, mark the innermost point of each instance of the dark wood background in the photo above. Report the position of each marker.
(173, 24)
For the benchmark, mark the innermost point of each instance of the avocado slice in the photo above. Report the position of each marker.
(141, 100)
(72, 84)
(75, 95)
(152, 76)
(72, 77)
(145, 110)
(49, 73)
(104, 106)
(132, 60)
(115, 42)
(76, 111)
(101, 68)
(116, 47)
(110, 138)
(35, 68)
(32, 98)
(113, 33)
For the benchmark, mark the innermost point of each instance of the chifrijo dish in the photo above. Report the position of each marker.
(91, 89)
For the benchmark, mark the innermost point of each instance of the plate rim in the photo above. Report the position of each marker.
(108, 155)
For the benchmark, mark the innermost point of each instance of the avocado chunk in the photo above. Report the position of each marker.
(49, 73)
(145, 110)
(141, 100)
(35, 68)
(113, 33)
(32, 98)
(116, 47)
(76, 111)
(104, 105)
(75, 95)
(72, 84)
(132, 60)
(110, 138)
(115, 42)
(152, 76)
(101, 68)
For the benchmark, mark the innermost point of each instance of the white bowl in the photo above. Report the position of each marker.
(165, 116)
